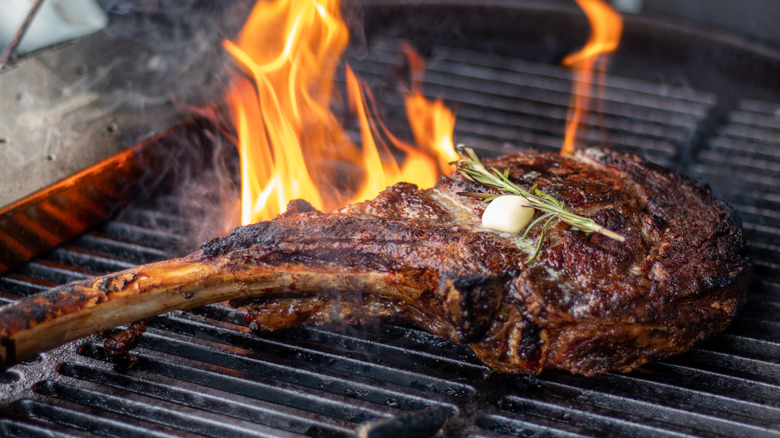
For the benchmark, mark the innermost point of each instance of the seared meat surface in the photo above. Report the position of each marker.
(588, 304)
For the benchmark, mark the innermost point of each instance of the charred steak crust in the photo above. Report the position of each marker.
(588, 305)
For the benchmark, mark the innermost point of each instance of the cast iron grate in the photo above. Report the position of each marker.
(202, 373)
(504, 104)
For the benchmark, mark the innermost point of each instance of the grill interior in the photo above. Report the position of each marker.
(201, 373)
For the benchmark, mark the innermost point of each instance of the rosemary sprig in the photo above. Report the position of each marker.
(472, 168)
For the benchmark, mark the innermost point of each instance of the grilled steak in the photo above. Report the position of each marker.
(588, 304)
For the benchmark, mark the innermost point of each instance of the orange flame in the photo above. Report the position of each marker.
(606, 28)
(432, 123)
(290, 143)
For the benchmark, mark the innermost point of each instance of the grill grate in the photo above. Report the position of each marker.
(201, 373)
(505, 104)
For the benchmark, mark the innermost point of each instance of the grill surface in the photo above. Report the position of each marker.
(202, 373)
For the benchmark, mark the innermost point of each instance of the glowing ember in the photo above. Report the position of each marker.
(290, 143)
(606, 28)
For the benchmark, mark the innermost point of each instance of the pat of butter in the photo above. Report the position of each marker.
(508, 213)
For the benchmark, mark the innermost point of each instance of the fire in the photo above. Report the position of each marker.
(606, 28)
(290, 142)
(432, 123)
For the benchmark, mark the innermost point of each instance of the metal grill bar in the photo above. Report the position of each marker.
(660, 407)
(93, 420)
(209, 399)
(709, 382)
(301, 360)
(586, 420)
(654, 388)
(527, 426)
(142, 407)
(524, 104)
(331, 398)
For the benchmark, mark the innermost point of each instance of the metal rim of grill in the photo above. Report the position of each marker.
(202, 373)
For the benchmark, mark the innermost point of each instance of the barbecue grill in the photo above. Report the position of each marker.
(203, 373)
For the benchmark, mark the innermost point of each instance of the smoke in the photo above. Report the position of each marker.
(174, 49)
(206, 192)
(169, 61)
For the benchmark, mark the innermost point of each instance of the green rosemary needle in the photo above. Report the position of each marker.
(472, 168)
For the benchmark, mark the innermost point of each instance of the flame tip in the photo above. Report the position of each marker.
(606, 29)
(285, 126)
